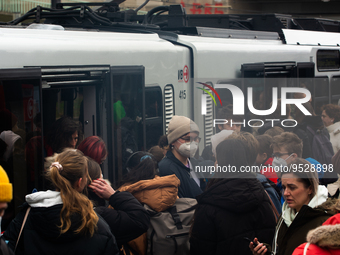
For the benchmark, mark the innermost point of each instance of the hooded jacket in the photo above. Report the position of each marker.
(159, 193)
(171, 165)
(227, 213)
(41, 234)
(293, 228)
(324, 240)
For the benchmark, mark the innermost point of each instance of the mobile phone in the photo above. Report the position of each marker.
(247, 239)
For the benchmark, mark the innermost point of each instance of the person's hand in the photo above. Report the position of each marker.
(257, 248)
(102, 188)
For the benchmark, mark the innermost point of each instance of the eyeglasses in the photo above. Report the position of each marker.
(279, 155)
(190, 139)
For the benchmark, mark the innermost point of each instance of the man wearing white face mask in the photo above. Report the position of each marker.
(183, 143)
(286, 148)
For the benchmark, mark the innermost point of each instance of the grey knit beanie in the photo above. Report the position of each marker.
(179, 126)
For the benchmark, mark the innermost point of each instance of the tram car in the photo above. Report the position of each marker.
(122, 73)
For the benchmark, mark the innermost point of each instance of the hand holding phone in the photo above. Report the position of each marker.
(256, 247)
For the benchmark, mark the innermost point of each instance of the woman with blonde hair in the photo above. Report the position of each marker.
(61, 221)
(302, 210)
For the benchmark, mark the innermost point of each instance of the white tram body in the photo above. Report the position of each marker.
(167, 67)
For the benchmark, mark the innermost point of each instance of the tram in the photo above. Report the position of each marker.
(79, 62)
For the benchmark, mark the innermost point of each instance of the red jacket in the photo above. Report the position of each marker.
(324, 240)
(268, 171)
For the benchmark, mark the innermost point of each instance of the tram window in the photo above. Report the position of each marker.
(225, 94)
(153, 102)
(321, 93)
(335, 89)
(335, 85)
(153, 115)
(327, 60)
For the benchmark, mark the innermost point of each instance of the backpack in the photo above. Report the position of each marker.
(322, 149)
(168, 233)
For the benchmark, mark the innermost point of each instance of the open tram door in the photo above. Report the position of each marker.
(20, 103)
(108, 101)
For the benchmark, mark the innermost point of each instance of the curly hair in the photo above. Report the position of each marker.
(60, 134)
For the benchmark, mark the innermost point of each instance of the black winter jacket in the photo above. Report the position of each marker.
(228, 212)
(41, 234)
(307, 219)
(171, 165)
(128, 220)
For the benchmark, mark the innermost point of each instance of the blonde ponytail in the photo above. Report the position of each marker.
(72, 165)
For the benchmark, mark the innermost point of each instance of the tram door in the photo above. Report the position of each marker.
(108, 101)
(20, 103)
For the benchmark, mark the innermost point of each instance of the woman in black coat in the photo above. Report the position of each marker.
(234, 207)
(62, 221)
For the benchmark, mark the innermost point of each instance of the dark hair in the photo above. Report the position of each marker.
(93, 168)
(333, 111)
(8, 120)
(233, 152)
(163, 141)
(227, 113)
(264, 144)
(94, 147)
(60, 133)
(140, 165)
(94, 173)
(230, 152)
(274, 131)
(157, 152)
(252, 145)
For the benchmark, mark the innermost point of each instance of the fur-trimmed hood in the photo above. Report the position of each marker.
(323, 240)
(327, 236)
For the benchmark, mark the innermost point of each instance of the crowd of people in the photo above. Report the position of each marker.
(287, 202)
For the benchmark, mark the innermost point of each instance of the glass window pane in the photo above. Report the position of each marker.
(153, 115)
